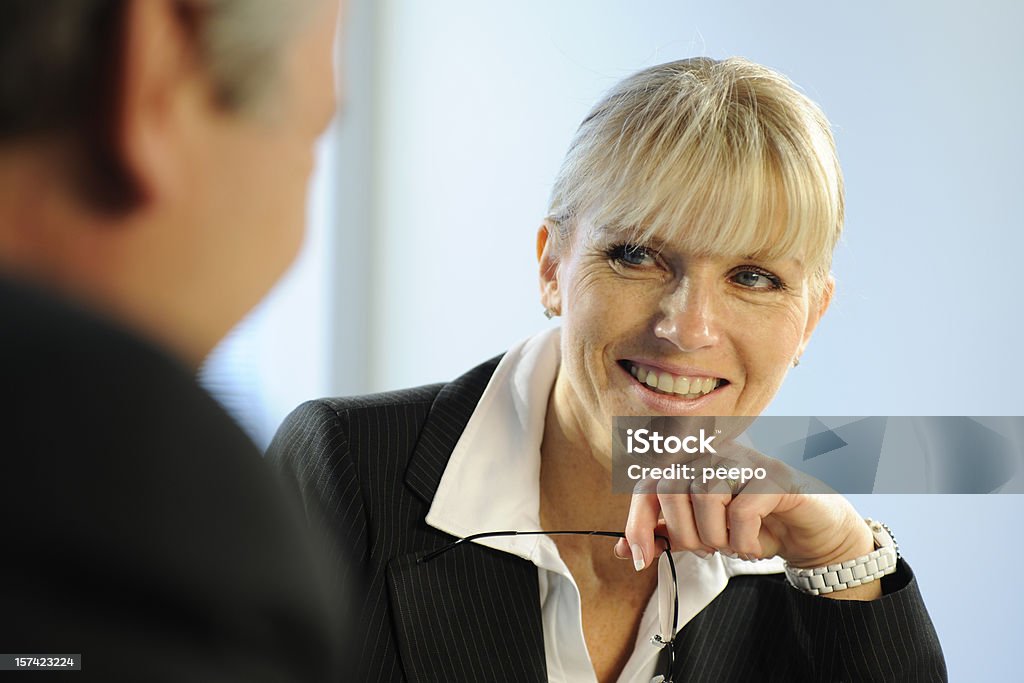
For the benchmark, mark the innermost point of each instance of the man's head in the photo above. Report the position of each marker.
(154, 153)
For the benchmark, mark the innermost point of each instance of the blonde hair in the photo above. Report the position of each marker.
(721, 157)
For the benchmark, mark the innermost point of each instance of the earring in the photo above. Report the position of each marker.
(548, 313)
(796, 361)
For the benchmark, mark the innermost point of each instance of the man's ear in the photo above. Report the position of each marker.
(550, 294)
(818, 309)
(156, 85)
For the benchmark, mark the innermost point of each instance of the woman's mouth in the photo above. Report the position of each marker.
(661, 382)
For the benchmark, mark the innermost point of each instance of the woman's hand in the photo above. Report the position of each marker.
(762, 519)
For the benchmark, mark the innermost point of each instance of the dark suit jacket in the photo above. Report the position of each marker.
(369, 468)
(142, 528)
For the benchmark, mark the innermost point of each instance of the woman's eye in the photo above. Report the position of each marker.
(631, 255)
(755, 279)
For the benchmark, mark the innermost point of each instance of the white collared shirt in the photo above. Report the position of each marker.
(492, 483)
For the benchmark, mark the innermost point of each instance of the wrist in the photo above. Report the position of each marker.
(859, 541)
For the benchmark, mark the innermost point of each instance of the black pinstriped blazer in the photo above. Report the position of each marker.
(368, 468)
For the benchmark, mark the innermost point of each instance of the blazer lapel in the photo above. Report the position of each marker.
(469, 614)
(472, 613)
(445, 423)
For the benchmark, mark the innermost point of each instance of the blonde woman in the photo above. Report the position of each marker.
(687, 251)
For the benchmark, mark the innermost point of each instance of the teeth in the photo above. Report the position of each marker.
(666, 382)
(663, 382)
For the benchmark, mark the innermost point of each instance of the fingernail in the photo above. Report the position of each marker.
(638, 556)
(734, 556)
(701, 554)
(615, 552)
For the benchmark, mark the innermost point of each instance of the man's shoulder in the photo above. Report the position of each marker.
(82, 392)
(53, 345)
(85, 400)
(74, 380)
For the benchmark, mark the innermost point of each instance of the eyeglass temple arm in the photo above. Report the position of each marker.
(489, 534)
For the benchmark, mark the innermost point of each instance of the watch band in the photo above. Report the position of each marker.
(864, 569)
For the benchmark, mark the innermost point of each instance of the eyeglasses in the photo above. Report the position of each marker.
(657, 639)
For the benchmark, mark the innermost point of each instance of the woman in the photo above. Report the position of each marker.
(687, 251)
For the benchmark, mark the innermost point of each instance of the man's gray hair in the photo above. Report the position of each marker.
(60, 61)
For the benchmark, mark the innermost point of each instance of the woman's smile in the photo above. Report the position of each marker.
(658, 390)
(686, 384)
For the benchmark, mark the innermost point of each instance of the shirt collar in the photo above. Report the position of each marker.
(492, 479)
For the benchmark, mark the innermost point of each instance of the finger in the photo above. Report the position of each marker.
(709, 507)
(644, 512)
(661, 537)
(745, 515)
(661, 543)
(680, 524)
(622, 549)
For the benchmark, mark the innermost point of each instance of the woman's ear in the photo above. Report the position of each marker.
(550, 294)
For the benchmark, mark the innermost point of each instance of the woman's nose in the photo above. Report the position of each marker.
(688, 319)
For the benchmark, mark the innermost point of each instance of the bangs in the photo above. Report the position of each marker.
(716, 166)
(710, 203)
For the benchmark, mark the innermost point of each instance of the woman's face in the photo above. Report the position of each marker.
(653, 330)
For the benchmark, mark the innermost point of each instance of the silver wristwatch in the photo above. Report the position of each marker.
(864, 569)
